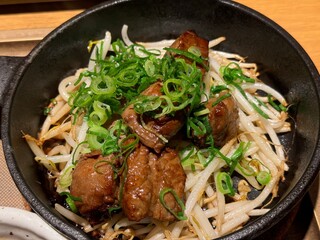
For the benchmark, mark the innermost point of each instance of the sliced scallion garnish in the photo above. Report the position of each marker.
(179, 215)
(224, 183)
(70, 200)
(263, 177)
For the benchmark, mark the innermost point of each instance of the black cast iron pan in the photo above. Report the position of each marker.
(28, 83)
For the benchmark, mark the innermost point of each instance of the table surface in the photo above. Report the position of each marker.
(300, 18)
(22, 26)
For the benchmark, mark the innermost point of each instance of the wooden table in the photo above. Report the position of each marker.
(300, 18)
(22, 26)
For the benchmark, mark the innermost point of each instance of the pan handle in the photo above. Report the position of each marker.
(8, 66)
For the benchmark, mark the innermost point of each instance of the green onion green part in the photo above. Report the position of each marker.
(179, 215)
(224, 183)
(70, 200)
(263, 177)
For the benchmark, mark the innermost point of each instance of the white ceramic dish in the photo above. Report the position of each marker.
(18, 224)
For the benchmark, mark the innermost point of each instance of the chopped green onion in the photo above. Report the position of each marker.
(260, 103)
(236, 157)
(103, 85)
(174, 89)
(218, 89)
(224, 183)
(233, 74)
(195, 127)
(97, 105)
(85, 73)
(47, 110)
(221, 98)
(70, 200)
(99, 51)
(110, 145)
(169, 107)
(240, 89)
(113, 209)
(255, 107)
(283, 108)
(147, 104)
(149, 68)
(71, 204)
(100, 114)
(128, 77)
(263, 177)
(83, 97)
(279, 107)
(206, 160)
(245, 169)
(98, 131)
(94, 141)
(65, 179)
(150, 52)
(100, 162)
(195, 51)
(122, 76)
(131, 145)
(97, 136)
(179, 215)
(193, 167)
(118, 46)
(98, 117)
(118, 128)
(223, 157)
(188, 159)
(259, 110)
(76, 150)
(273, 104)
(191, 56)
(201, 112)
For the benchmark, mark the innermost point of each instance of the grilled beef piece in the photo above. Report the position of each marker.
(166, 126)
(138, 187)
(191, 39)
(93, 182)
(166, 172)
(223, 119)
(147, 175)
(150, 139)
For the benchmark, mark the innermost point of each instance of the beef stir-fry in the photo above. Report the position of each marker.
(146, 141)
(150, 167)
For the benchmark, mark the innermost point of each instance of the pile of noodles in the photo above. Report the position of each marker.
(209, 213)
